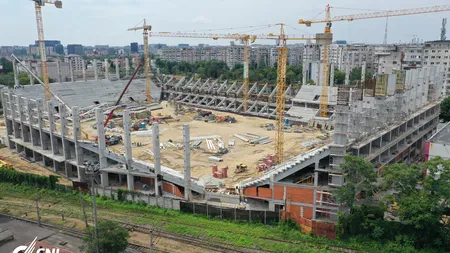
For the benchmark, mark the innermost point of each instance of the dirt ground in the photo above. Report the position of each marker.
(242, 152)
(23, 166)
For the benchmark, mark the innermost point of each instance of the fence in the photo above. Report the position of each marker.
(227, 213)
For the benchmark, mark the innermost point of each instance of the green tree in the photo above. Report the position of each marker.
(339, 76)
(359, 178)
(445, 109)
(355, 75)
(7, 65)
(402, 178)
(112, 238)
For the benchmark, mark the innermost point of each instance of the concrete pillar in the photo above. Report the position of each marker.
(347, 75)
(30, 66)
(157, 158)
(33, 135)
(40, 112)
(78, 150)
(106, 69)
(331, 74)
(16, 78)
(83, 65)
(64, 132)
(187, 162)
(58, 69)
(21, 119)
(68, 169)
(127, 67)
(12, 103)
(316, 183)
(363, 72)
(130, 182)
(104, 179)
(51, 122)
(95, 69)
(72, 75)
(116, 63)
(127, 138)
(101, 138)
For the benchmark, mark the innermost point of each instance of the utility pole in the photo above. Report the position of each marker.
(151, 240)
(91, 174)
(84, 210)
(37, 211)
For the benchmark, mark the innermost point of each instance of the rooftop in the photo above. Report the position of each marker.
(442, 136)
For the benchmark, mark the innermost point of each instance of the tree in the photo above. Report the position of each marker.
(359, 178)
(7, 65)
(339, 77)
(402, 178)
(445, 109)
(355, 75)
(112, 238)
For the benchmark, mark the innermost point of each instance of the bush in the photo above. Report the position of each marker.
(16, 177)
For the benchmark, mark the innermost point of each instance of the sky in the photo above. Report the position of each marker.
(99, 22)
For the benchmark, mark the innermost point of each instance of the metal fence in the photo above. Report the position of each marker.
(227, 213)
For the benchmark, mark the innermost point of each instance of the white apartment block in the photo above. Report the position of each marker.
(437, 53)
(354, 56)
(75, 60)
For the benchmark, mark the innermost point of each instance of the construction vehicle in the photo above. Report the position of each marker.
(6, 165)
(240, 168)
(111, 139)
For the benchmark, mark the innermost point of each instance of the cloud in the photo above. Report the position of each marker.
(200, 20)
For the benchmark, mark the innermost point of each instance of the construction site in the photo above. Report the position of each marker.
(270, 148)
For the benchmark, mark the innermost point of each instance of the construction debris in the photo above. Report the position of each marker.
(215, 159)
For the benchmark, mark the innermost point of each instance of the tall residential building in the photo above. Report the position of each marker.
(35, 50)
(75, 49)
(59, 49)
(437, 53)
(295, 55)
(235, 54)
(48, 43)
(355, 55)
(75, 60)
(134, 47)
(6, 50)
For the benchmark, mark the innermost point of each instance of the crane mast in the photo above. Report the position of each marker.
(246, 72)
(280, 100)
(146, 28)
(324, 97)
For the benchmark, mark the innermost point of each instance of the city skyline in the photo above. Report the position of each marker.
(108, 24)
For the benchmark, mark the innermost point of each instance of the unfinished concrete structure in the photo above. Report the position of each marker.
(386, 123)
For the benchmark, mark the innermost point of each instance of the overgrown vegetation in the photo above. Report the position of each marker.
(445, 109)
(16, 177)
(420, 200)
(112, 238)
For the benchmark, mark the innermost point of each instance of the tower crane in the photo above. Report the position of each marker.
(244, 38)
(145, 29)
(370, 15)
(38, 4)
(282, 39)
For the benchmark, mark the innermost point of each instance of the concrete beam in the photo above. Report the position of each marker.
(72, 75)
(95, 69)
(64, 132)
(30, 66)
(16, 78)
(231, 87)
(78, 150)
(58, 69)
(51, 123)
(106, 69)
(127, 67)
(127, 138)
(224, 84)
(83, 65)
(261, 92)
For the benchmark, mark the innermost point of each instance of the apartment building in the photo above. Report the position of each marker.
(437, 53)
(354, 56)
(75, 60)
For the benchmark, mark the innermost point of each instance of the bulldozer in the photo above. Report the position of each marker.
(240, 168)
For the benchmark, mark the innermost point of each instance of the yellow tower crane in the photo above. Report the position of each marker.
(378, 14)
(146, 28)
(38, 4)
(244, 38)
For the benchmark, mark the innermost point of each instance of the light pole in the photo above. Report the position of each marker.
(91, 172)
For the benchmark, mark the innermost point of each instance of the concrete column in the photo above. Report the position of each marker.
(101, 137)
(363, 72)
(30, 66)
(106, 69)
(331, 74)
(347, 75)
(21, 116)
(64, 132)
(316, 183)
(95, 69)
(72, 76)
(9, 127)
(104, 179)
(40, 112)
(16, 78)
(127, 67)
(127, 138)
(12, 105)
(78, 150)
(130, 182)
(83, 65)
(51, 122)
(33, 135)
(157, 158)
(116, 63)
(187, 162)
(58, 69)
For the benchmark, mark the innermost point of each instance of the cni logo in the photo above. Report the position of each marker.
(30, 249)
